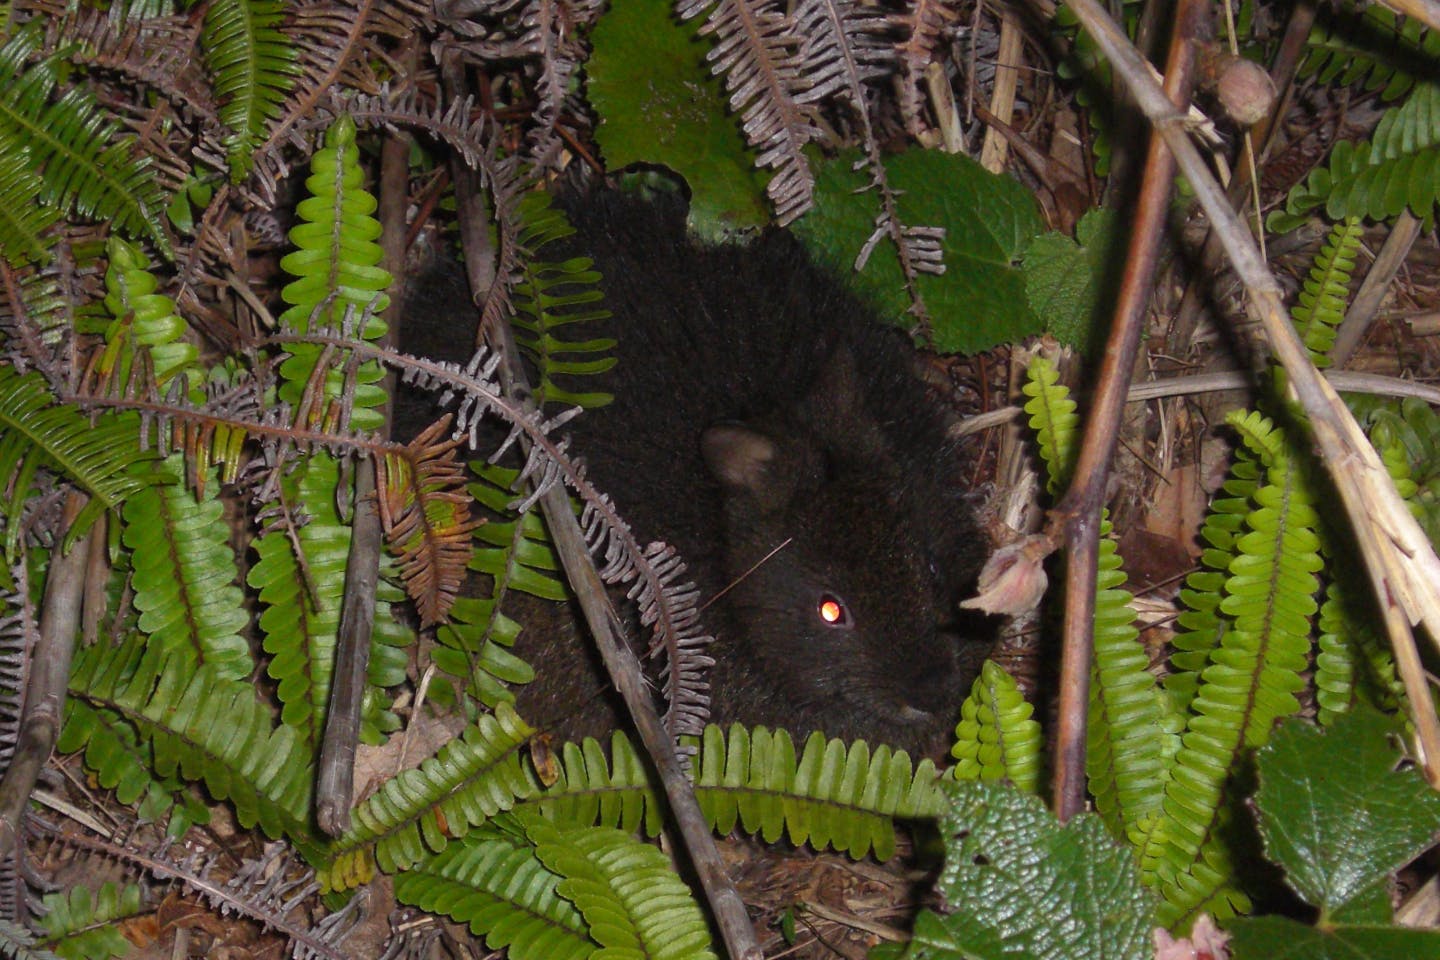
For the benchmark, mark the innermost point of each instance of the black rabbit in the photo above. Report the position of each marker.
(773, 431)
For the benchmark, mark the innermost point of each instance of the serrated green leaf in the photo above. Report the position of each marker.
(1068, 282)
(989, 220)
(1014, 875)
(1334, 810)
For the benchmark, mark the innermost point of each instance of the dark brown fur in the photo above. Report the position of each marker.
(759, 404)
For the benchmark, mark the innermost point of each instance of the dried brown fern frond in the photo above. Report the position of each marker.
(158, 53)
(426, 515)
(925, 22)
(457, 125)
(759, 55)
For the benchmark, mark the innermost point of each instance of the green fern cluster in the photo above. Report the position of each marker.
(1167, 761)
(1398, 169)
(67, 153)
(81, 923)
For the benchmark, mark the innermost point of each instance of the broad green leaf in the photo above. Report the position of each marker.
(1020, 884)
(1067, 281)
(1334, 811)
(989, 220)
(658, 103)
(1279, 938)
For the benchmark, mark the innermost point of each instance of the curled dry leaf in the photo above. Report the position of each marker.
(1013, 580)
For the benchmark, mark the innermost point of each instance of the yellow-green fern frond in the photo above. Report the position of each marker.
(493, 881)
(338, 282)
(836, 795)
(1253, 674)
(1322, 301)
(143, 319)
(632, 900)
(1133, 730)
(472, 778)
(205, 728)
(301, 596)
(1053, 420)
(185, 578)
(997, 739)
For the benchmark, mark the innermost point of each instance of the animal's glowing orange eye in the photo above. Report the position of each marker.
(833, 611)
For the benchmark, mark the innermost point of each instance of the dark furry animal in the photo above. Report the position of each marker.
(760, 409)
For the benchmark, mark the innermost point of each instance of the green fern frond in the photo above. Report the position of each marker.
(74, 146)
(209, 729)
(1408, 438)
(996, 738)
(522, 558)
(1322, 301)
(301, 596)
(471, 779)
(1201, 626)
(475, 647)
(493, 881)
(548, 297)
(335, 264)
(1133, 733)
(1053, 421)
(1371, 45)
(614, 792)
(834, 795)
(79, 923)
(120, 761)
(24, 224)
(1353, 664)
(253, 65)
(185, 576)
(143, 318)
(632, 901)
(1398, 169)
(103, 457)
(1257, 668)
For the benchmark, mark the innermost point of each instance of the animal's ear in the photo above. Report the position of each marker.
(834, 408)
(747, 462)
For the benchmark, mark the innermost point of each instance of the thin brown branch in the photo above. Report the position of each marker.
(49, 677)
(1079, 511)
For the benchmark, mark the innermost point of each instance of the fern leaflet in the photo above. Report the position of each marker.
(1252, 676)
(101, 456)
(301, 593)
(1322, 300)
(79, 923)
(997, 738)
(547, 298)
(185, 577)
(72, 145)
(492, 880)
(470, 780)
(632, 901)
